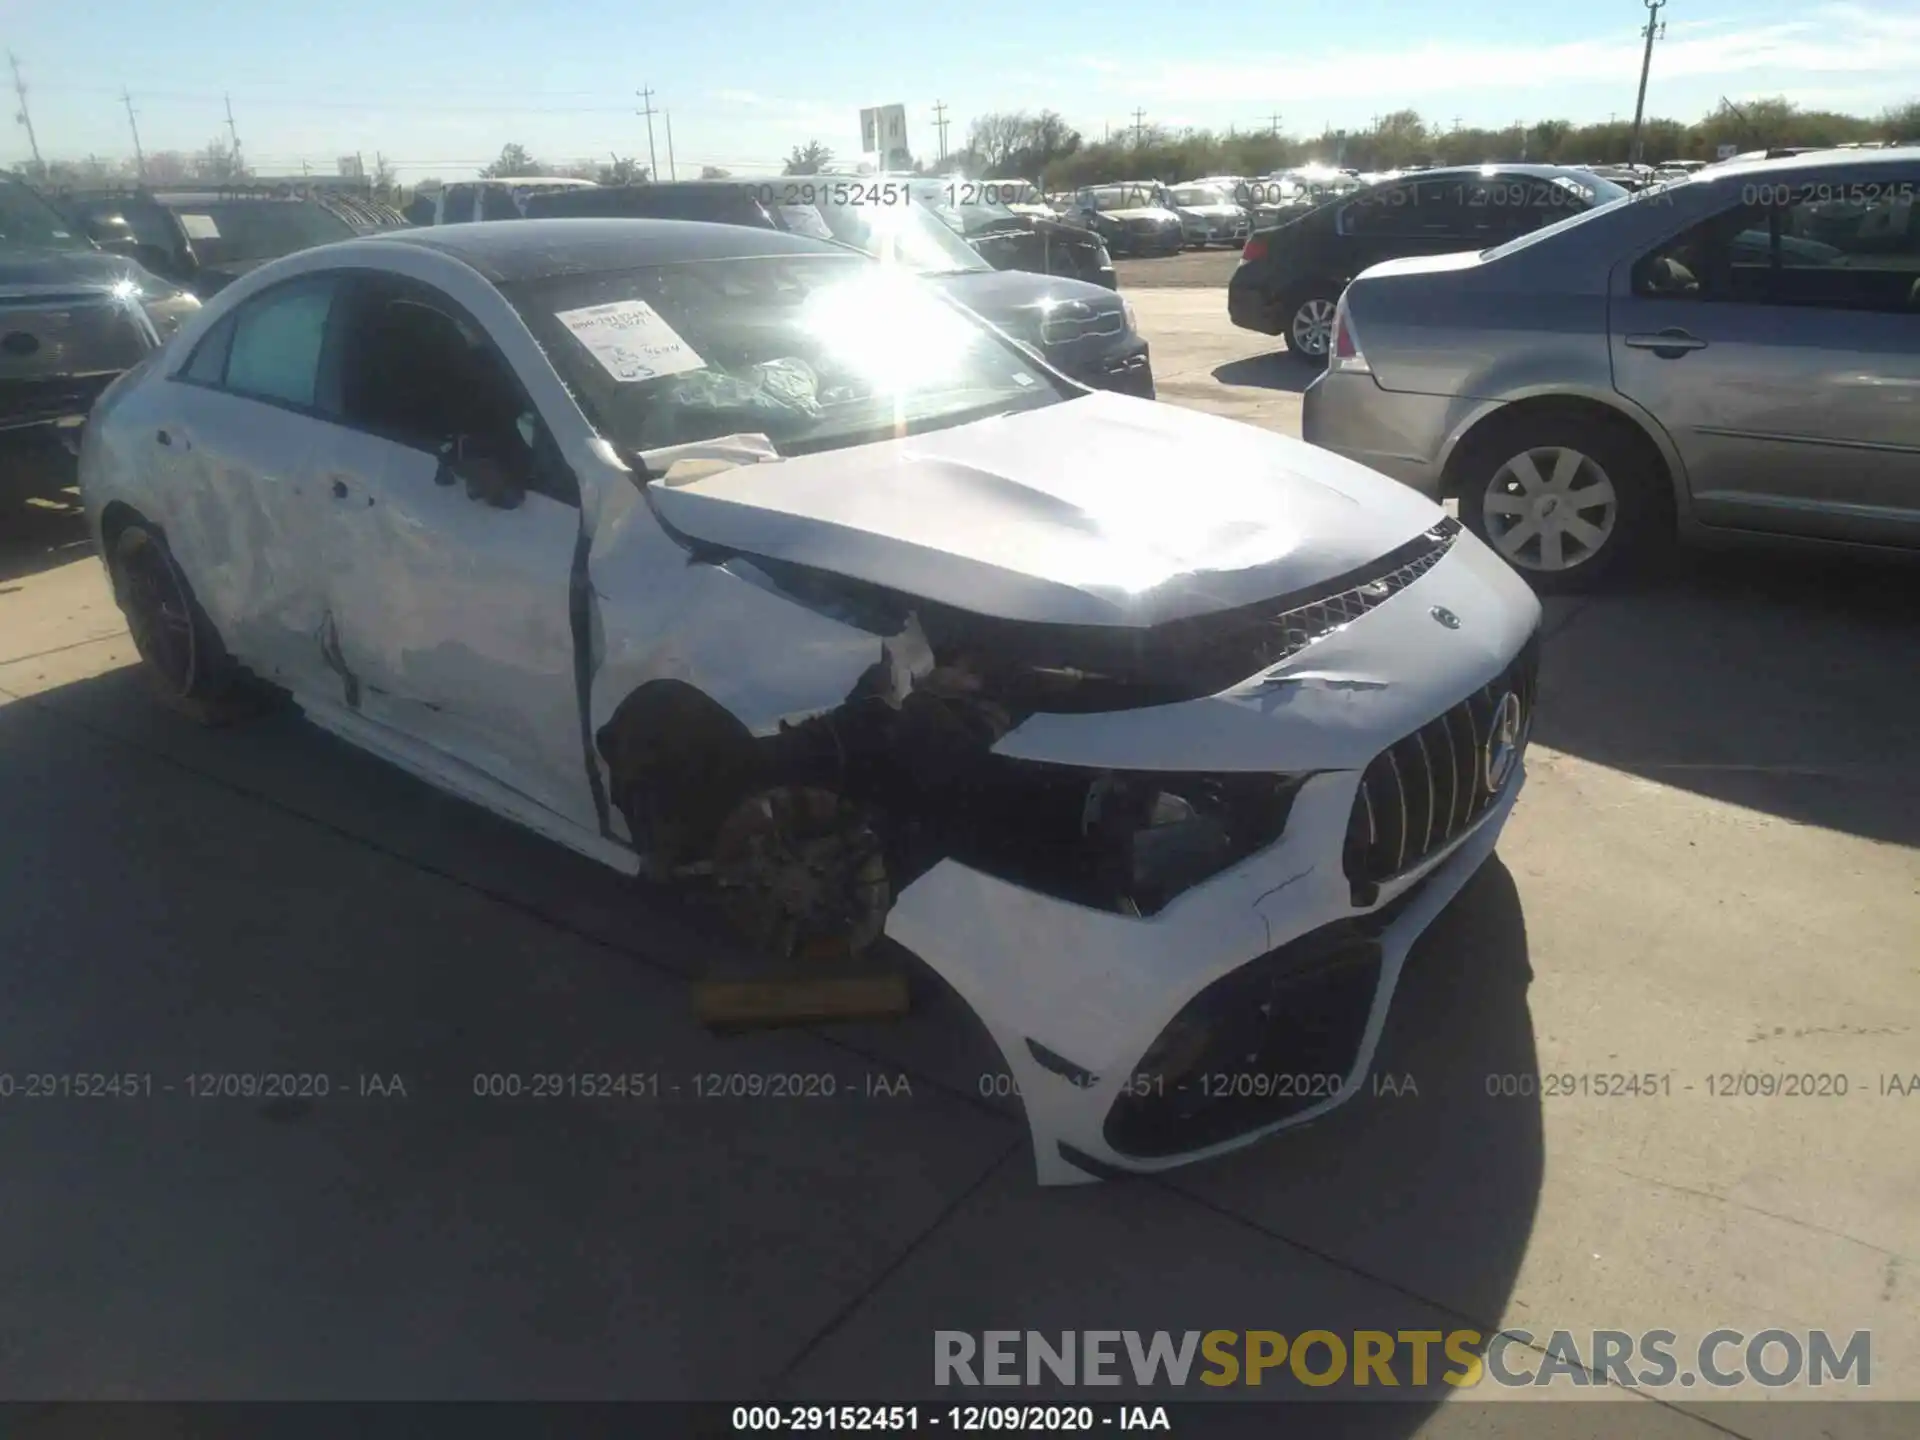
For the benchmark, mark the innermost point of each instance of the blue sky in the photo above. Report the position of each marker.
(438, 86)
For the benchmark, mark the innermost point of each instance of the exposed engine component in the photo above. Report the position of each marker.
(801, 874)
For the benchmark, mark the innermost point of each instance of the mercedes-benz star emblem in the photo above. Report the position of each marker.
(1503, 743)
(1446, 617)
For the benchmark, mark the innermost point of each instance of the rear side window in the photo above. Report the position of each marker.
(277, 340)
(456, 205)
(209, 363)
(496, 203)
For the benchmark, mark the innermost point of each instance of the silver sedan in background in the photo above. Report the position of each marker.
(1729, 356)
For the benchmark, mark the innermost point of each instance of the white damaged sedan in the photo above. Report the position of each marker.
(735, 560)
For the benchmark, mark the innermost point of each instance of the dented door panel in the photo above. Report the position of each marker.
(450, 618)
(239, 520)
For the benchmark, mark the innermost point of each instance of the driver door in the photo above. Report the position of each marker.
(452, 523)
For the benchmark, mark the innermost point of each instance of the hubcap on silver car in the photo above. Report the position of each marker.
(1312, 328)
(1550, 508)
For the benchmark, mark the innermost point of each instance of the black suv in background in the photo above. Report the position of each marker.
(205, 239)
(72, 319)
(1083, 330)
(1290, 277)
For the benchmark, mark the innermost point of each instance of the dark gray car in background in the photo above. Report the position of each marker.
(1732, 355)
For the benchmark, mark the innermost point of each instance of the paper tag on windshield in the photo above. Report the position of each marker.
(805, 220)
(631, 341)
(199, 227)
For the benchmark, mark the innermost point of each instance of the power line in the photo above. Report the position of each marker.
(1656, 28)
(233, 132)
(20, 89)
(653, 160)
(139, 159)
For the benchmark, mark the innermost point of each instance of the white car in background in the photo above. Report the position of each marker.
(736, 560)
(1209, 215)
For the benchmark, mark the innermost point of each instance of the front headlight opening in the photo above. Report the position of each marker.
(1122, 841)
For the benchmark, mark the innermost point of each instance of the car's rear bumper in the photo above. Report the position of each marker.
(1401, 435)
(1250, 307)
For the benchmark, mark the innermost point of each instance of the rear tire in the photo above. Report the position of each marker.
(186, 664)
(1306, 319)
(1565, 499)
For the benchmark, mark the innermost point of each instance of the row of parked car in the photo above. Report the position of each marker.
(1728, 353)
(139, 259)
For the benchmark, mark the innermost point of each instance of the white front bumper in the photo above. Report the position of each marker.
(1094, 989)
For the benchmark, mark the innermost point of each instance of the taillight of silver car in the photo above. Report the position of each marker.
(1344, 353)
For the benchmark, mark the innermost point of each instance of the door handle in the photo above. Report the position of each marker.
(1667, 344)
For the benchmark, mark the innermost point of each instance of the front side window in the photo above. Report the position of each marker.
(1820, 243)
(277, 339)
(815, 352)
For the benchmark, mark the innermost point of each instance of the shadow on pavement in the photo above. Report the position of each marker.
(1772, 680)
(37, 535)
(1408, 1209)
(1275, 371)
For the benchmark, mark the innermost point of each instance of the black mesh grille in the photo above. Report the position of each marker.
(1261, 1044)
(1422, 792)
(1298, 628)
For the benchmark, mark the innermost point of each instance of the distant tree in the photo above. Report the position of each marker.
(809, 159)
(714, 172)
(167, 167)
(1900, 122)
(625, 170)
(385, 181)
(514, 160)
(217, 164)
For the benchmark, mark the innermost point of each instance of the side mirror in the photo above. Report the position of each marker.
(498, 482)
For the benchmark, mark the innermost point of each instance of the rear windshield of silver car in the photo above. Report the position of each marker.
(813, 352)
(1603, 195)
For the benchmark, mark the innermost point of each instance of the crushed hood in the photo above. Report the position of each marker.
(1102, 510)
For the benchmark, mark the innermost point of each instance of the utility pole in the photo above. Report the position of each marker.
(237, 167)
(133, 124)
(653, 160)
(20, 89)
(1138, 116)
(1656, 28)
(673, 172)
(1273, 125)
(940, 124)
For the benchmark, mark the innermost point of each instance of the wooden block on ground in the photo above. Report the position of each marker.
(802, 992)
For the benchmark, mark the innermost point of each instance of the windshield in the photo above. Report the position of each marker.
(1200, 195)
(908, 233)
(814, 352)
(1616, 197)
(227, 232)
(28, 223)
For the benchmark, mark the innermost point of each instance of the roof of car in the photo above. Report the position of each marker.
(512, 250)
(1892, 158)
